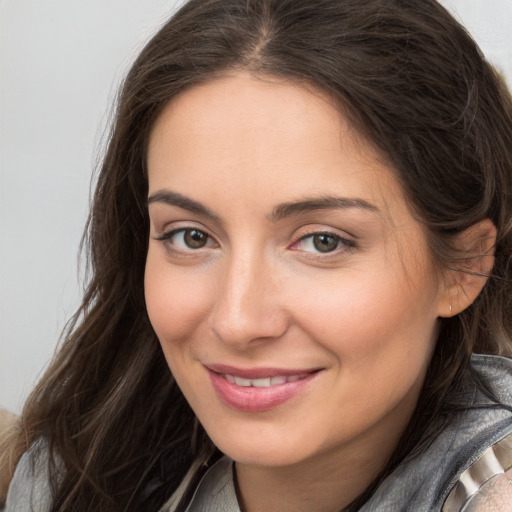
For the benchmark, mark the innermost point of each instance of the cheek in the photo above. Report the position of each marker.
(381, 336)
(370, 321)
(176, 301)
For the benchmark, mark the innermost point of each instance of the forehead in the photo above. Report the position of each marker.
(262, 138)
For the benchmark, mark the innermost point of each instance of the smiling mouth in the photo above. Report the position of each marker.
(259, 389)
(265, 382)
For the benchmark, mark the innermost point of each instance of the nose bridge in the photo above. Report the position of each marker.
(247, 306)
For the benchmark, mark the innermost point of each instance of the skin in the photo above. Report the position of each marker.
(260, 294)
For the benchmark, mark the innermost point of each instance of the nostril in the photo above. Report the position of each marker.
(247, 327)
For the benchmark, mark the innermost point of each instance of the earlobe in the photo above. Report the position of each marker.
(467, 277)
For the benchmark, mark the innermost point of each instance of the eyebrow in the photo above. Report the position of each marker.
(281, 211)
(321, 203)
(175, 199)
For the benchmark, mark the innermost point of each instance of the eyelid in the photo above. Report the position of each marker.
(319, 229)
(348, 243)
(165, 229)
(171, 230)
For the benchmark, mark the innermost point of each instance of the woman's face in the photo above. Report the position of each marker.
(289, 285)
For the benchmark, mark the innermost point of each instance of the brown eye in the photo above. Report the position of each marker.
(186, 239)
(195, 239)
(323, 242)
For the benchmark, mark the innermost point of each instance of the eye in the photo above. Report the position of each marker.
(186, 239)
(323, 243)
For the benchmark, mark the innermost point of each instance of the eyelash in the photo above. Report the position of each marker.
(167, 241)
(342, 244)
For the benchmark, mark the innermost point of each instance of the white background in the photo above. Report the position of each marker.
(60, 63)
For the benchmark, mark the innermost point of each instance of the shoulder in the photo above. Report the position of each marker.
(494, 496)
(481, 420)
(496, 372)
(486, 485)
(30, 487)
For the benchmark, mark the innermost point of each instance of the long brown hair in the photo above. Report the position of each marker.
(409, 79)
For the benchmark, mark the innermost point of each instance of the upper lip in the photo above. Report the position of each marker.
(258, 373)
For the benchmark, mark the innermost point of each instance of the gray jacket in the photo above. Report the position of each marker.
(421, 484)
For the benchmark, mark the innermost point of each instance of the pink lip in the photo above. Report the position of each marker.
(257, 399)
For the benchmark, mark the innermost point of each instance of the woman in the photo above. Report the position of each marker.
(304, 213)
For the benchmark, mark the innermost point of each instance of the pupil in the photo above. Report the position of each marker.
(195, 239)
(325, 243)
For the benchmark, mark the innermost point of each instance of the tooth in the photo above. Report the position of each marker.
(275, 381)
(261, 383)
(293, 378)
(239, 381)
(230, 378)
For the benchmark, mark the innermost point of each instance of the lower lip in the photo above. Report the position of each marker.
(254, 399)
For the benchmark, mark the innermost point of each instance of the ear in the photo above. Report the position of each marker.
(465, 280)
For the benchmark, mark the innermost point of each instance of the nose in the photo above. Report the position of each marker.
(248, 308)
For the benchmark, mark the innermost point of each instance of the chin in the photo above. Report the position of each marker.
(262, 449)
(264, 457)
